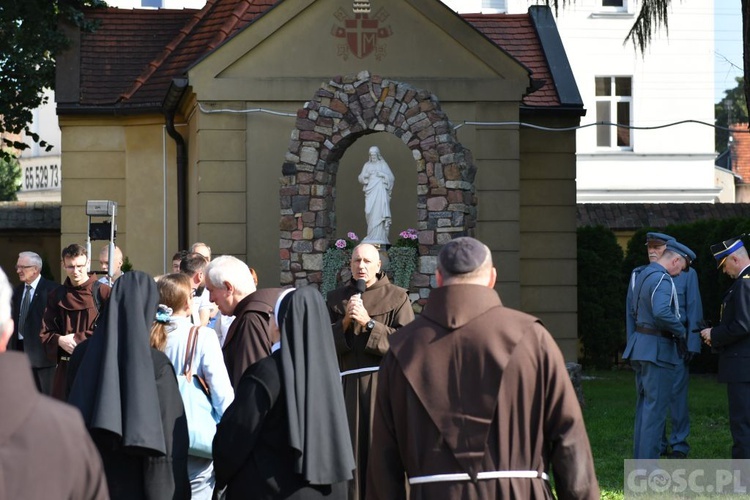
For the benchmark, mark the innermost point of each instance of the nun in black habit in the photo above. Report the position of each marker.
(285, 436)
(128, 394)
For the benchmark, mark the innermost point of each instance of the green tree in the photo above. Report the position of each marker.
(730, 110)
(10, 178)
(30, 38)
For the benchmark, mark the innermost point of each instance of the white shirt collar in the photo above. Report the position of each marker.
(275, 347)
(34, 283)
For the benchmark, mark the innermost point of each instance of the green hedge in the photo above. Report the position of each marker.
(601, 297)
(603, 276)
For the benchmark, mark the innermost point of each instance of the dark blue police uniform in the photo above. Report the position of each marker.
(731, 337)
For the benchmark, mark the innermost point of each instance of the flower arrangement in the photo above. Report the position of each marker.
(403, 257)
(400, 265)
(335, 259)
(349, 243)
(408, 238)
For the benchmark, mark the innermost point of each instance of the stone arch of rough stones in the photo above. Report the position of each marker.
(343, 110)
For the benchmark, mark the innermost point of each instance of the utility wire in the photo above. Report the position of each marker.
(610, 124)
(253, 110)
(510, 123)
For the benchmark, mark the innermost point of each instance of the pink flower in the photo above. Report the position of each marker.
(352, 236)
(340, 244)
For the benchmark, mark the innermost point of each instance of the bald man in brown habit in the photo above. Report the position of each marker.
(474, 400)
(363, 322)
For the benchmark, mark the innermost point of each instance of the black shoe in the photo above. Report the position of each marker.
(677, 455)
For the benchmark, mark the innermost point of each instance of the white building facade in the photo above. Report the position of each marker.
(41, 169)
(671, 82)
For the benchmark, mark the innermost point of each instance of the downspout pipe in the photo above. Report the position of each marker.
(169, 107)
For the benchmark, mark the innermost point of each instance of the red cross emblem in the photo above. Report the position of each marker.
(363, 34)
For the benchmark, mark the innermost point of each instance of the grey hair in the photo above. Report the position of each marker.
(35, 259)
(227, 268)
(6, 292)
(669, 254)
(200, 244)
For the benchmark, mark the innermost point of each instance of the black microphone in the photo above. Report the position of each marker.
(361, 286)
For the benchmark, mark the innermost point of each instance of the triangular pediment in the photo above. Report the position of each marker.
(303, 41)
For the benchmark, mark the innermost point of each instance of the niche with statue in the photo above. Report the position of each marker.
(398, 259)
(432, 198)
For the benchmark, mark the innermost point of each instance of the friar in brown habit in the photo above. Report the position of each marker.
(363, 321)
(474, 400)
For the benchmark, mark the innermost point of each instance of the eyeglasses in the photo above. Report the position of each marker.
(71, 268)
(23, 267)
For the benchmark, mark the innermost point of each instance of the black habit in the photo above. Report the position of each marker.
(129, 398)
(285, 435)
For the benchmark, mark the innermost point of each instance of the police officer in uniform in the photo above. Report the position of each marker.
(655, 346)
(691, 316)
(731, 337)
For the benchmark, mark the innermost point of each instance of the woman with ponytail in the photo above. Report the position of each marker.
(170, 334)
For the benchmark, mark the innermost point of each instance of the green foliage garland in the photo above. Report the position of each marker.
(333, 261)
(403, 264)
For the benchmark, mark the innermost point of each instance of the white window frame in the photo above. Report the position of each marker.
(494, 6)
(613, 99)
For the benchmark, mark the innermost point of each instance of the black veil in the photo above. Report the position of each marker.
(114, 386)
(318, 427)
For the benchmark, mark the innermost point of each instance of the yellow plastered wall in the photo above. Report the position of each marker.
(218, 180)
(122, 160)
(548, 231)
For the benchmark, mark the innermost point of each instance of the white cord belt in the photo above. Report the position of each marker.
(495, 474)
(360, 370)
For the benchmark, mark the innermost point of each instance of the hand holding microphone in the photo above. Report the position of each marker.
(355, 309)
(356, 299)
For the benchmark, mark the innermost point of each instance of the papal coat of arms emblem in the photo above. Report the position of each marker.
(363, 34)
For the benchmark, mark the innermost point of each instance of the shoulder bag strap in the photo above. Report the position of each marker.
(187, 369)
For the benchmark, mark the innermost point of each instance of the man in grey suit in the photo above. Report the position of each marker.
(29, 303)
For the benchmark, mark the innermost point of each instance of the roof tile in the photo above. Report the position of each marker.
(516, 34)
(131, 59)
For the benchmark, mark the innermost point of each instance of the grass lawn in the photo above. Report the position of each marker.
(609, 416)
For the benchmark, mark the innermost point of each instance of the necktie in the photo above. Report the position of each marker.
(24, 310)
